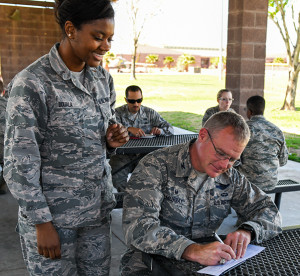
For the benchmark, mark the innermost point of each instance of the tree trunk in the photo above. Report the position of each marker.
(290, 94)
(133, 77)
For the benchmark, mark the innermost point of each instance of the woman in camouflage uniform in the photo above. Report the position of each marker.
(224, 99)
(60, 125)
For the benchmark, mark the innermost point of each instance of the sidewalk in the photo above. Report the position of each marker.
(11, 261)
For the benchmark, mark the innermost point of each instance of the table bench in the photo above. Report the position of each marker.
(283, 186)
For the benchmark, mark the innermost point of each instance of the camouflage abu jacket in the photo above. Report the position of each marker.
(211, 111)
(3, 102)
(55, 147)
(265, 152)
(146, 119)
(164, 208)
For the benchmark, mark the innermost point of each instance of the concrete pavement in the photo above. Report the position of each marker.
(11, 261)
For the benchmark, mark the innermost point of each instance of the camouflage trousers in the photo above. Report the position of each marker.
(116, 162)
(84, 251)
(132, 264)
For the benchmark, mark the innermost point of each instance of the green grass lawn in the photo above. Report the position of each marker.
(183, 99)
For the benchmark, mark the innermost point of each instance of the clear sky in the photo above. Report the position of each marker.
(194, 23)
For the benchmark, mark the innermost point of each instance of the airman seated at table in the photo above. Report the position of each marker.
(184, 192)
(224, 99)
(266, 150)
(139, 120)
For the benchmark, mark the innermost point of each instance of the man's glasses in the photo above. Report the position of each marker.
(221, 155)
(134, 101)
(226, 100)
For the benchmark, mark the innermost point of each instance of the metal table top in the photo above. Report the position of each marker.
(146, 145)
(281, 257)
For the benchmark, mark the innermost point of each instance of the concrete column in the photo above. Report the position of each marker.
(246, 50)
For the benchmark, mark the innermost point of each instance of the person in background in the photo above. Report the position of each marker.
(224, 99)
(3, 102)
(184, 192)
(266, 150)
(139, 120)
(60, 124)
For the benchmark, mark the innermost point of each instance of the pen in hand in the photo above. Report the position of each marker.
(218, 238)
(222, 261)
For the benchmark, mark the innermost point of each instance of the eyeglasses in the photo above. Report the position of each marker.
(221, 155)
(134, 101)
(226, 100)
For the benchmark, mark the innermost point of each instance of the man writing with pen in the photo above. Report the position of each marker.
(184, 192)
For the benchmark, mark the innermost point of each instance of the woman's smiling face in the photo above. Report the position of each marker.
(91, 42)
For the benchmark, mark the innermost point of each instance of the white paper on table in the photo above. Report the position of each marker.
(216, 270)
(148, 136)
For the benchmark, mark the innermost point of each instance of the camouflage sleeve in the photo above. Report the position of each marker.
(3, 102)
(208, 113)
(283, 154)
(158, 121)
(119, 117)
(255, 208)
(25, 128)
(112, 96)
(141, 223)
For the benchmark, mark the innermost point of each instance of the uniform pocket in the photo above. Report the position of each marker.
(65, 136)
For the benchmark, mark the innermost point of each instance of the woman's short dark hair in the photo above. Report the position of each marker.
(82, 11)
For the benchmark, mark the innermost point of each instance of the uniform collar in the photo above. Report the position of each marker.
(92, 74)
(184, 169)
(131, 116)
(257, 117)
(184, 163)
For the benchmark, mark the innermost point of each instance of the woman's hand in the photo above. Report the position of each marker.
(116, 135)
(48, 240)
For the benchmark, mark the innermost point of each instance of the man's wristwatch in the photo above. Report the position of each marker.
(248, 228)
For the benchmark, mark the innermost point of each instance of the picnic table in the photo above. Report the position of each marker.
(280, 257)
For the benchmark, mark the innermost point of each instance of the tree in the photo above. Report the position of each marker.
(214, 61)
(168, 61)
(278, 10)
(139, 12)
(185, 60)
(151, 58)
(107, 58)
(278, 60)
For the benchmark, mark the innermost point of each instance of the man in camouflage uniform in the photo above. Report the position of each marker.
(224, 99)
(139, 120)
(184, 192)
(266, 150)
